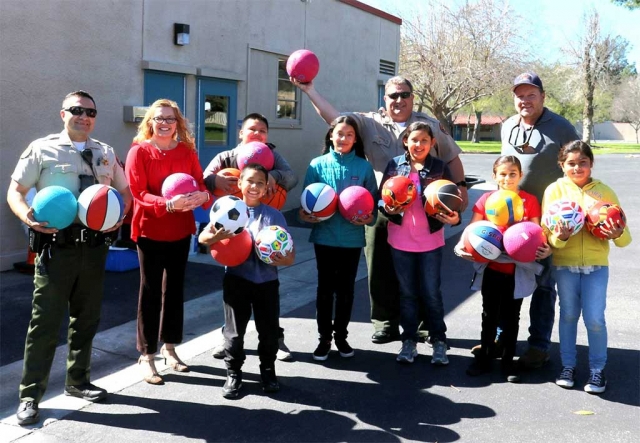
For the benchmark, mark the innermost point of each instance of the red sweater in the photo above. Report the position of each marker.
(146, 168)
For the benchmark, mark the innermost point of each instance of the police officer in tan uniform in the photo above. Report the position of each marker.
(382, 133)
(70, 263)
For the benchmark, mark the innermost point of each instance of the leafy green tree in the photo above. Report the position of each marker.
(629, 4)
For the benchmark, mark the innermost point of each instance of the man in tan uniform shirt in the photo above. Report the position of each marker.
(70, 263)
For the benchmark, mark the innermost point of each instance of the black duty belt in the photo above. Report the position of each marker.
(74, 235)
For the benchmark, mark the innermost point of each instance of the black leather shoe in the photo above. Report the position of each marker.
(231, 388)
(28, 413)
(86, 391)
(269, 380)
(380, 337)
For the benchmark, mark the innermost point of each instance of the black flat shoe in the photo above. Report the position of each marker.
(269, 380)
(28, 413)
(86, 391)
(380, 337)
(231, 388)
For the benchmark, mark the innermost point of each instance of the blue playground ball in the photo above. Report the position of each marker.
(55, 205)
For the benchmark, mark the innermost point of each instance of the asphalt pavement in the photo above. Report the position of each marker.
(369, 397)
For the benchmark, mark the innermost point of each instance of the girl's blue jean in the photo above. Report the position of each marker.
(419, 277)
(584, 293)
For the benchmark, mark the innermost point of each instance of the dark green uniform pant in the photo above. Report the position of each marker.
(69, 277)
(384, 289)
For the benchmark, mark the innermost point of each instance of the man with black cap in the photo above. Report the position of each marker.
(535, 135)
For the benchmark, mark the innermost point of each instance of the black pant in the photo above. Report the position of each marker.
(337, 269)
(240, 297)
(499, 308)
(161, 298)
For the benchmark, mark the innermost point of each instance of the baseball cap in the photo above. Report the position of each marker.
(527, 78)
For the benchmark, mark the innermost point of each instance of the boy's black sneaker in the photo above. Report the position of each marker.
(269, 380)
(322, 351)
(345, 350)
(597, 382)
(567, 377)
(231, 388)
(510, 370)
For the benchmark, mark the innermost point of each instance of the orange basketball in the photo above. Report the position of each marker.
(228, 172)
(442, 196)
(277, 199)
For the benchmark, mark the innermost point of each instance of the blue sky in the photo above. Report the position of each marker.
(552, 23)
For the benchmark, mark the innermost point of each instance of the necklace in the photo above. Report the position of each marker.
(158, 148)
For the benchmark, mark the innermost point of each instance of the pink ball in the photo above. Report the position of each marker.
(521, 241)
(255, 152)
(178, 184)
(355, 201)
(303, 65)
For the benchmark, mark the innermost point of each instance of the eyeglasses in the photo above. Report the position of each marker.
(78, 110)
(169, 120)
(395, 95)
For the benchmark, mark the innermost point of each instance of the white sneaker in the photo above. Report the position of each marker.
(284, 354)
(218, 352)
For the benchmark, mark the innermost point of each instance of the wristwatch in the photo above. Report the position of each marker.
(462, 183)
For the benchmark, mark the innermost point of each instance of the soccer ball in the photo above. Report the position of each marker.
(271, 240)
(229, 213)
(564, 210)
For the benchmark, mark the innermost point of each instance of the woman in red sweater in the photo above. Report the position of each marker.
(162, 229)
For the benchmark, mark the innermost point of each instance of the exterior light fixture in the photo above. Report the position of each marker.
(180, 34)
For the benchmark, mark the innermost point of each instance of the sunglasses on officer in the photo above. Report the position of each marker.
(78, 110)
(395, 95)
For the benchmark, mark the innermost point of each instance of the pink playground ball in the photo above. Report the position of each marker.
(521, 241)
(255, 152)
(178, 184)
(355, 201)
(303, 65)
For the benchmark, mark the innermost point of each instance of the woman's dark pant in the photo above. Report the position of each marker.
(161, 297)
(337, 269)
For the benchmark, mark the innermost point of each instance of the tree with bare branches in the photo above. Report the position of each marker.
(626, 106)
(456, 56)
(601, 59)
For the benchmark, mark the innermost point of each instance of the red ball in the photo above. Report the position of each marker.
(178, 184)
(355, 202)
(228, 172)
(442, 196)
(233, 251)
(303, 65)
(255, 152)
(599, 213)
(399, 191)
(522, 240)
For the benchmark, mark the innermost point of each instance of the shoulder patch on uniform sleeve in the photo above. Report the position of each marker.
(442, 128)
(26, 153)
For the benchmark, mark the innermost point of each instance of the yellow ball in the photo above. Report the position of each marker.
(504, 208)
